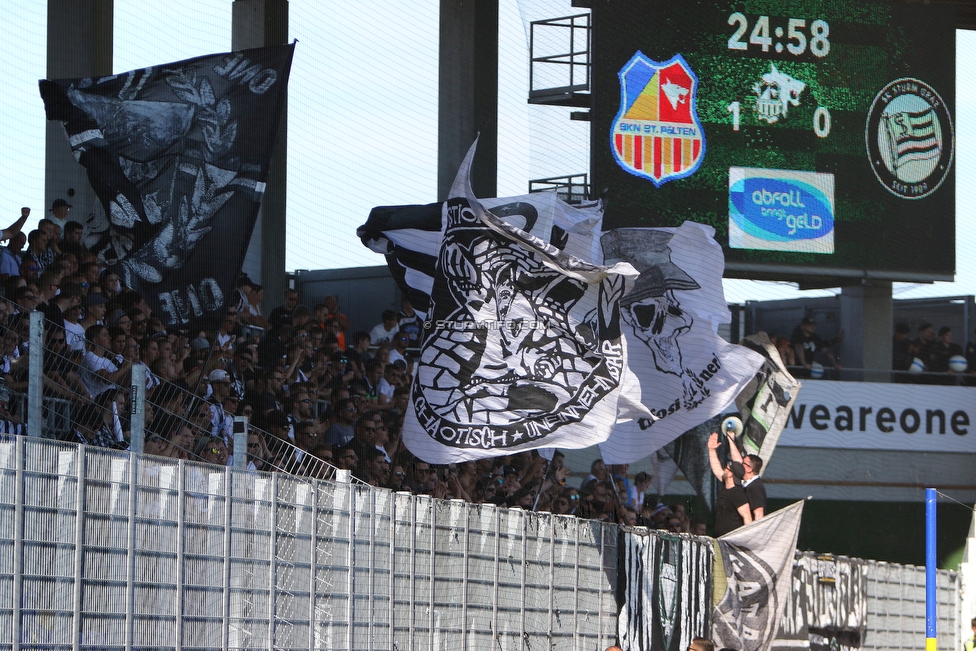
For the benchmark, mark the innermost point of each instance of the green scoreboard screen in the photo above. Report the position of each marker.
(815, 136)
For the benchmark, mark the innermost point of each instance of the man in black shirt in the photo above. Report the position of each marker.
(732, 506)
(903, 350)
(753, 485)
(282, 315)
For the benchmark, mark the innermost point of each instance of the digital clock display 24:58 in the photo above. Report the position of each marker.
(774, 122)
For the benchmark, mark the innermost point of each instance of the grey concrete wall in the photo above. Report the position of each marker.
(261, 23)
(468, 101)
(79, 44)
(866, 314)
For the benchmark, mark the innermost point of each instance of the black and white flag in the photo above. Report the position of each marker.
(681, 372)
(665, 592)
(178, 155)
(522, 346)
(755, 581)
(766, 402)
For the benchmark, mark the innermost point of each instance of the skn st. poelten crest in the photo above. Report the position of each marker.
(657, 134)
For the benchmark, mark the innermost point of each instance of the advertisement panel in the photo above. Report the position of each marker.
(844, 109)
(874, 416)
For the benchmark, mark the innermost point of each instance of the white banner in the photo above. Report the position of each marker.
(681, 373)
(523, 347)
(875, 416)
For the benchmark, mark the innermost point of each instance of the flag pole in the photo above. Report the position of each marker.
(930, 569)
(538, 493)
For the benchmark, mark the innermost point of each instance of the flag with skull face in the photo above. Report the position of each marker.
(681, 372)
(522, 347)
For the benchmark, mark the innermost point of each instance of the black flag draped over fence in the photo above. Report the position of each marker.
(178, 155)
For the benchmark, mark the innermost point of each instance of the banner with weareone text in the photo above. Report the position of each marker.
(178, 155)
(874, 416)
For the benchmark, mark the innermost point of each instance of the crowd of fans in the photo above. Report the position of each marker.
(930, 357)
(319, 397)
(935, 352)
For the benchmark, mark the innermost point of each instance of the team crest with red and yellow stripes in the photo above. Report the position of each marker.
(657, 134)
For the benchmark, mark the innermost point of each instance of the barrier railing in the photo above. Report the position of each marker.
(117, 550)
(92, 395)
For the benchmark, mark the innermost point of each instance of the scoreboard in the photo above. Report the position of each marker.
(815, 136)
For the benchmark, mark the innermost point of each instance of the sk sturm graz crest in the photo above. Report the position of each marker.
(657, 134)
(909, 138)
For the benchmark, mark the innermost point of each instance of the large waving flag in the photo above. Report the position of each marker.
(766, 403)
(754, 586)
(682, 372)
(679, 372)
(763, 405)
(410, 236)
(178, 155)
(522, 346)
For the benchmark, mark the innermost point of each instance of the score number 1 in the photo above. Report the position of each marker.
(821, 119)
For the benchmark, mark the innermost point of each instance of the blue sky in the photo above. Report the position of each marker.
(363, 117)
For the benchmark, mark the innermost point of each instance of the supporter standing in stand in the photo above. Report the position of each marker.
(753, 484)
(903, 351)
(938, 352)
(810, 347)
(10, 258)
(732, 506)
(925, 344)
(386, 329)
(410, 324)
(282, 315)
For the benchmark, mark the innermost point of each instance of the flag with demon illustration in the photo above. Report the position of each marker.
(522, 346)
(543, 331)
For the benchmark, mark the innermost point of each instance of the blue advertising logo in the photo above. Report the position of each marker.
(781, 210)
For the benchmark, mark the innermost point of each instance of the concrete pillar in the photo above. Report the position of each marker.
(866, 317)
(262, 23)
(79, 44)
(468, 101)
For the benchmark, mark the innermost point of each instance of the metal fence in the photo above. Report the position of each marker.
(896, 608)
(104, 549)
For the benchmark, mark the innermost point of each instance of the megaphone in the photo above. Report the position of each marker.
(732, 425)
